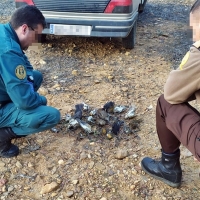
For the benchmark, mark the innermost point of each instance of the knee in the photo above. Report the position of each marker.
(161, 98)
(55, 116)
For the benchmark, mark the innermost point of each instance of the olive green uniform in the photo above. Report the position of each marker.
(22, 108)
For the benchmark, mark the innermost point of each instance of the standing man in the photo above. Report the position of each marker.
(176, 120)
(22, 110)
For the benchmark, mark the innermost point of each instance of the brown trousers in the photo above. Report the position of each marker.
(176, 124)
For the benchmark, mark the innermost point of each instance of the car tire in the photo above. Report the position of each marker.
(141, 6)
(129, 41)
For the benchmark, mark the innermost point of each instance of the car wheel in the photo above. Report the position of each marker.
(141, 6)
(129, 41)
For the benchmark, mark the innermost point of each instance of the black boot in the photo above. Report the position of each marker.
(168, 169)
(7, 149)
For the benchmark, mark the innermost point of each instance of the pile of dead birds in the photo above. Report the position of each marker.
(110, 120)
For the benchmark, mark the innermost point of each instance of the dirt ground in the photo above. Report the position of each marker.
(70, 164)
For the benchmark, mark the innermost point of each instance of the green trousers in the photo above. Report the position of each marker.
(25, 122)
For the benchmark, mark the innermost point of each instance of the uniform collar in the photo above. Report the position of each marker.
(13, 34)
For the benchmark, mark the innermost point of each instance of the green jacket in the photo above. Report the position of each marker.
(15, 72)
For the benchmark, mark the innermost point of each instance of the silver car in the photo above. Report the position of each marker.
(91, 18)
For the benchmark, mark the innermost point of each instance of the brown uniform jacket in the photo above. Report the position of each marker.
(183, 84)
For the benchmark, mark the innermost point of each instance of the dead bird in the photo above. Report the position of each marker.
(73, 124)
(68, 117)
(116, 126)
(109, 107)
(85, 107)
(85, 126)
(127, 129)
(93, 112)
(135, 125)
(119, 109)
(91, 119)
(78, 111)
(102, 114)
(131, 112)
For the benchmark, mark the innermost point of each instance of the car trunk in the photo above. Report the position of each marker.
(80, 6)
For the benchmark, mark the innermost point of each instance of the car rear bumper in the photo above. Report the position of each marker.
(102, 25)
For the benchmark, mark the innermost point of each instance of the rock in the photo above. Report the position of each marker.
(124, 89)
(54, 194)
(43, 91)
(75, 182)
(127, 53)
(122, 153)
(49, 188)
(100, 166)
(50, 45)
(27, 188)
(83, 156)
(30, 164)
(91, 165)
(97, 81)
(2, 182)
(18, 164)
(99, 192)
(186, 153)
(2, 164)
(70, 193)
(61, 162)
(110, 77)
(10, 188)
(42, 62)
(75, 72)
(56, 86)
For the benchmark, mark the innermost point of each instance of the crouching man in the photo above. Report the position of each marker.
(23, 111)
(176, 120)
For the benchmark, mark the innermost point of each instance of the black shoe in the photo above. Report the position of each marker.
(168, 169)
(11, 152)
(7, 149)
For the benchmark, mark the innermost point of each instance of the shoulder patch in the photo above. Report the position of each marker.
(184, 60)
(20, 72)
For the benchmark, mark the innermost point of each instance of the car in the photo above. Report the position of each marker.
(91, 18)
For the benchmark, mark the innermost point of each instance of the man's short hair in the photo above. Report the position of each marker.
(195, 6)
(29, 15)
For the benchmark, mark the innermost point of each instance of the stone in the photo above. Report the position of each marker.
(83, 156)
(91, 165)
(100, 166)
(18, 164)
(70, 193)
(75, 72)
(75, 182)
(42, 62)
(10, 188)
(122, 153)
(43, 91)
(2, 164)
(61, 162)
(49, 188)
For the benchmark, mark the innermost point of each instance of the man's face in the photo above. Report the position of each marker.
(195, 25)
(30, 35)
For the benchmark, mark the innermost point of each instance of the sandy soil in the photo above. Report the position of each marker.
(70, 164)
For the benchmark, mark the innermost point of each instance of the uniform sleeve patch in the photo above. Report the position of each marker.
(184, 60)
(20, 72)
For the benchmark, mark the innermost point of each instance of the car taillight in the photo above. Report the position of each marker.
(29, 2)
(119, 6)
